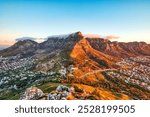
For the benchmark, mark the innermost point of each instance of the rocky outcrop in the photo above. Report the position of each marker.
(61, 93)
(32, 93)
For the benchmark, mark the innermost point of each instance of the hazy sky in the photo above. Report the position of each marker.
(128, 19)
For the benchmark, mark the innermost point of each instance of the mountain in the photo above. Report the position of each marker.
(111, 70)
(60, 42)
(25, 47)
(115, 49)
(120, 49)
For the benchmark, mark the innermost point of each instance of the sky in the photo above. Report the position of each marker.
(127, 19)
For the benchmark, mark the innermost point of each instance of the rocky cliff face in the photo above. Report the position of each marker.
(120, 49)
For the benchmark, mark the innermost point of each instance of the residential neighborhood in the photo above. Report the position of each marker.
(17, 74)
(135, 71)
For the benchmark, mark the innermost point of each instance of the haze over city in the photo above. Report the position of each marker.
(128, 20)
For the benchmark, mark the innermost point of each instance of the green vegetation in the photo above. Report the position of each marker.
(10, 95)
(50, 86)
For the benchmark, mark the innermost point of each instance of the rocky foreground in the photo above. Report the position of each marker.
(76, 92)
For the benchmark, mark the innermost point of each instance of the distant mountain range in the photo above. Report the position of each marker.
(113, 70)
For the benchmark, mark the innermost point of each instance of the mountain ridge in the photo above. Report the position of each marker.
(104, 45)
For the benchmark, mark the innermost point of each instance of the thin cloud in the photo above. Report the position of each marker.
(39, 40)
(110, 37)
(91, 35)
(25, 38)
